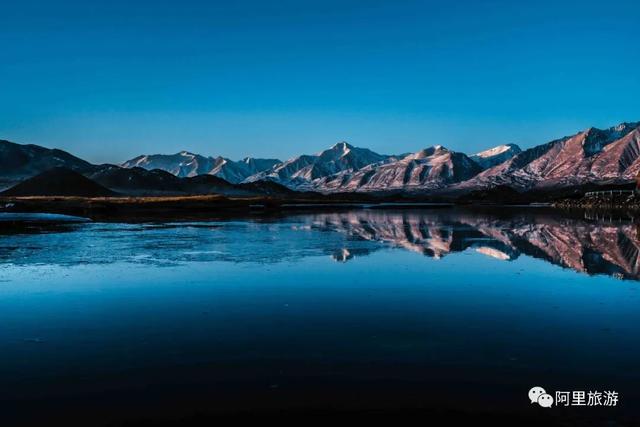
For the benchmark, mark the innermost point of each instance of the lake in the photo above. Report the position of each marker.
(387, 309)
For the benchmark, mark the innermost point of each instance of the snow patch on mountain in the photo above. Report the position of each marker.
(496, 155)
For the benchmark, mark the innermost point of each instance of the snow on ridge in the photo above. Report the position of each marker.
(496, 155)
(496, 150)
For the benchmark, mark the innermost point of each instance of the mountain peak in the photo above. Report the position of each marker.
(429, 151)
(625, 125)
(496, 155)
(342, 146)
(498, 150)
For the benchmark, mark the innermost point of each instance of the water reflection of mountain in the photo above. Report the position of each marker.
(590, 246)
(585, 246)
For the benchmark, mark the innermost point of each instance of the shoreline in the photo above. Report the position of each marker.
(212, 207)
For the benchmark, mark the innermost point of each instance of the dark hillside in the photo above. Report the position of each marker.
(58, 182)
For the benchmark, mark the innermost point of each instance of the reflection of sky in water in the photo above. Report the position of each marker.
(267, 301)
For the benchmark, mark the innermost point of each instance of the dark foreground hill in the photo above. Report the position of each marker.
(137, 181)
(156, 182)
(267, 187)
(58, 181)
(109, 180)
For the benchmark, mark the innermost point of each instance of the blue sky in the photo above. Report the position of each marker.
(111, 80)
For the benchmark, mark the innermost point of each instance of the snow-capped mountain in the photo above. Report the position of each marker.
(496, 155)
(303, 170)
(593, 155)
(237, 172)
(433, 167)
(180, 164)
(186, 164)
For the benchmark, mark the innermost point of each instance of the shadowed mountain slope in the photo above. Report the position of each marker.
(58, 181)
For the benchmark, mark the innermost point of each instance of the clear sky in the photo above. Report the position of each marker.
(114, 79)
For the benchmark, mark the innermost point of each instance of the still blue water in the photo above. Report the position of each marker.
(411, 308)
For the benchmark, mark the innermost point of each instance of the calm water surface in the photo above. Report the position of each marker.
(366, 308)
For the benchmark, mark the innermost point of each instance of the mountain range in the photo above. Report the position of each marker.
(186, 164)
(600, 156)
(590, 156)
(29, 170)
